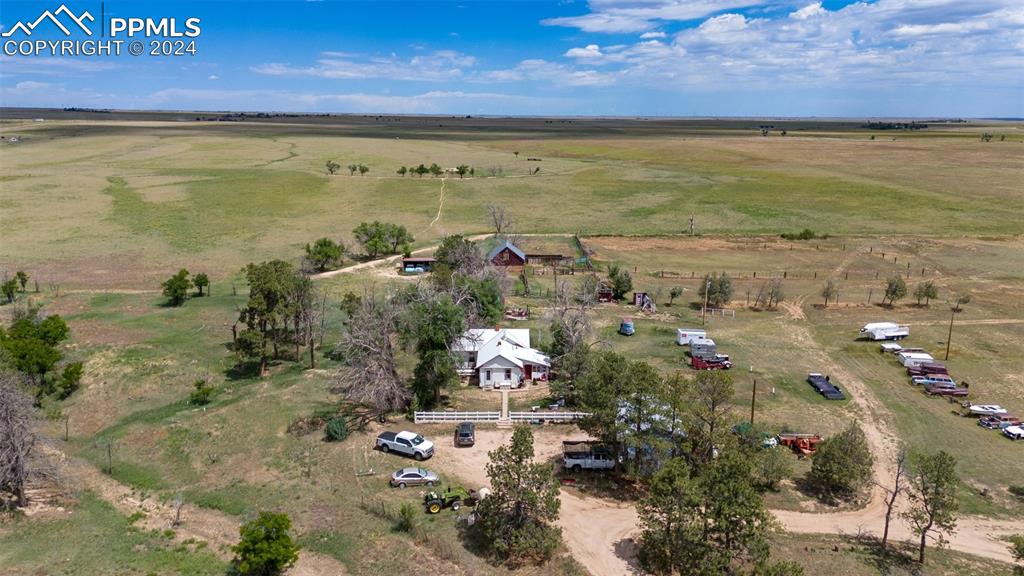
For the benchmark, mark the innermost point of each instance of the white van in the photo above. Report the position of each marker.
(686, 336)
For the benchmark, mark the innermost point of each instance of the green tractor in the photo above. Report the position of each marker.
(453, 498)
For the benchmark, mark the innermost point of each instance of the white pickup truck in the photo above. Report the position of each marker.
(578, 456)
(408, 443)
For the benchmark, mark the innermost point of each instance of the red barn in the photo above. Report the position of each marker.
(506, 254)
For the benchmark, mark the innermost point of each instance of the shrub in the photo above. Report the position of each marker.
(406, 518)
(773, 466)
(337, 429)
(842, 464)
(266, 548)
(202, 393)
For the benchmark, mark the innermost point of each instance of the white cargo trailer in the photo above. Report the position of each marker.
(884, 331)
(909, 359)
(686, 336)
(703, 348)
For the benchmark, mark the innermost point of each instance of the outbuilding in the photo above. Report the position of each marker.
(506, 254)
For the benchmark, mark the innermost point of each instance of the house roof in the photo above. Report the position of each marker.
(512, 344)
(506, 244)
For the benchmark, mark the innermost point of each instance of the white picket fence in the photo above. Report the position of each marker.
(427, 417)
(547, 416)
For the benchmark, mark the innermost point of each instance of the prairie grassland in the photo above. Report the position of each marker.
(151, 197)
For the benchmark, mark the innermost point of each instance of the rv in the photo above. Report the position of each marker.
(686, 336)
(884, 331)
(909, 359)
(703, 348)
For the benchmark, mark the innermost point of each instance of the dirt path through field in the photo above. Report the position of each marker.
(219, 531)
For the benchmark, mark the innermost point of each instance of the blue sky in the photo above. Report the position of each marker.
(604, 57)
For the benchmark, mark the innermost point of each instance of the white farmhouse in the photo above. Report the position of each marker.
(501, 357)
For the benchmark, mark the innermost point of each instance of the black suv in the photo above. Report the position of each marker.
(465, 434)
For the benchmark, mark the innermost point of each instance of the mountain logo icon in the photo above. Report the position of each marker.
(27, 28)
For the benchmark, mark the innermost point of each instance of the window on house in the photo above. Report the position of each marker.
(508, 373)
(488, 374)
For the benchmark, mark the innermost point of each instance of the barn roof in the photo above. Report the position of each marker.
(506, 244)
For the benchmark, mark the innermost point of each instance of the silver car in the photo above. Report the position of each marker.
(413, 477)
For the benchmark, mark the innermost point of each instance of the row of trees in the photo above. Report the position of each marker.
(435, 170)
(333, 167)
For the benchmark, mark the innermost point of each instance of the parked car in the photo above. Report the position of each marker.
(1014, 432)
(985, 409)
(626, 327)
(933, 379)
(945, 390)
(823, 385)
(408, 443)
(999, 421)
(413, 477)
(465, 434)
(927, 368)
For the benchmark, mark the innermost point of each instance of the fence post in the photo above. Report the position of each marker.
(847, 277)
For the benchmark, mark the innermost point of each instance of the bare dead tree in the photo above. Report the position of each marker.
(368, 348)
(309, 309)
(501, 221)
(21, 458)
(898, 487)
(570, 327)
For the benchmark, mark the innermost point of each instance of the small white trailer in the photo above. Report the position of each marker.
(884, 331)
(686, 336)
(703, 348)
(909, 359)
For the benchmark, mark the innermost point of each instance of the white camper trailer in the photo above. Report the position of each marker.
(703, 348)
(910, 359)
(686, 336)
(884, 331)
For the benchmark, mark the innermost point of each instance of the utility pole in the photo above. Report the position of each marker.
(704, 310)
(753, 399)
(949, 337)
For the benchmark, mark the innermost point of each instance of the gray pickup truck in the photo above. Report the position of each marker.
(408, 443)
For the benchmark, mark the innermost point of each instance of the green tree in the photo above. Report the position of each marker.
(22, 279)
(642, 412)
(324, 254)
(31, 345)
(621, 280)
(332, 167)
(373, 236)
(273, 300)
(201, 281)
(352, 169)
(707, 524)
(598, 389)
(433, 323)
(673, 293)
(933, 497)
(718, 290)
(516, 525)
(842, 464)
(895, 289)
(460, 254)
(435, 170)
(461, 170)
(402, 171)
(176, 288)
(710, 409)
(396, 235)
(363, 169)
(70, 380)
(9, 288)
(773, 466)
(201, 393)
(266, 547)
(926, 291)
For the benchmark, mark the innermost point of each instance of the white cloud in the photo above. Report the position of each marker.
(588, 52)
(650, 35)
(437, 66)
(213, 77)
(808, 11)
(539, 70)
(624, 16)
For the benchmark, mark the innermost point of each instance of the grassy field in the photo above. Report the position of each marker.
(104, 211)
